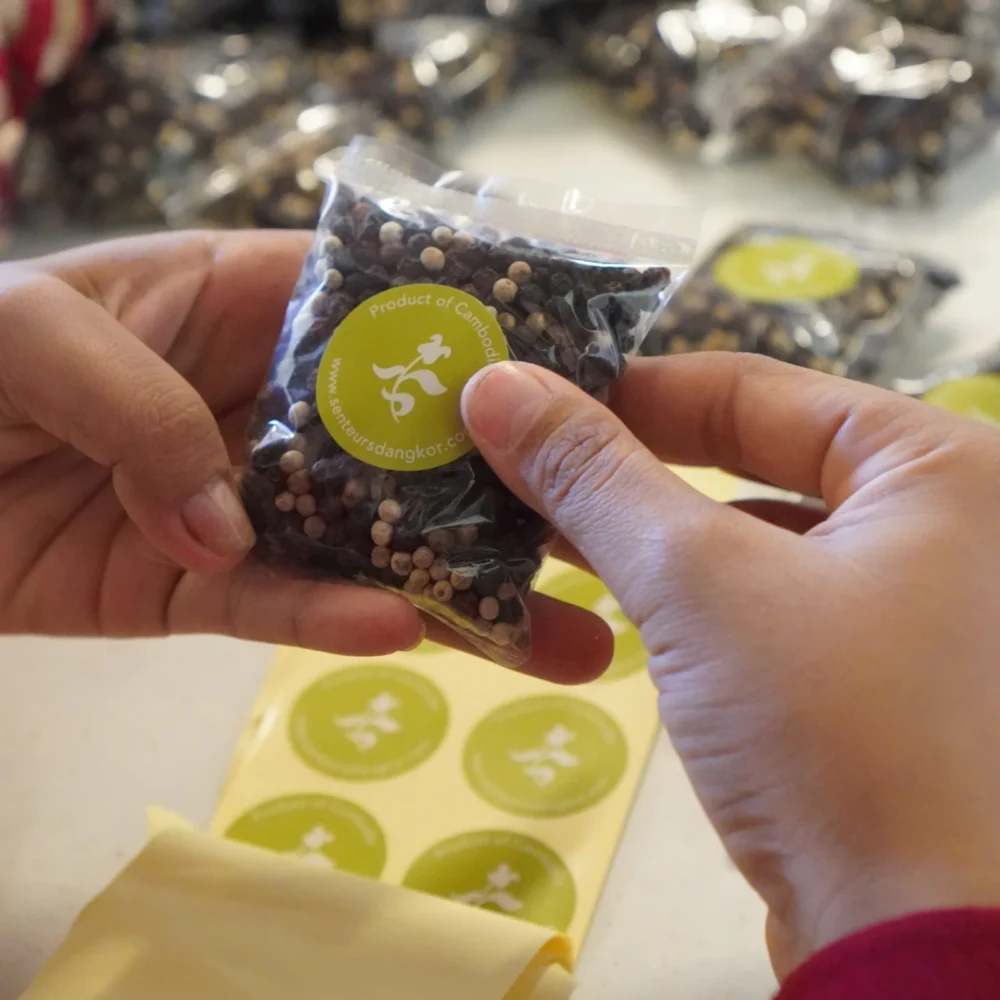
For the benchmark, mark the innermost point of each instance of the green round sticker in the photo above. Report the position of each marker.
(977, 397)
(546, 756)
(500, 871)
(586, 591)
(318, 829)
(786, 268)
(391, 378)
(368, 723)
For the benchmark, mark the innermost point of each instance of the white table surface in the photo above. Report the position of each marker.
(92, 732)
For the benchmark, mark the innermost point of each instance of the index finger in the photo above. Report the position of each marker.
(796, 429)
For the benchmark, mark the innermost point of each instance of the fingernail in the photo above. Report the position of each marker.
(501, 403)
(420, 639)
(216, 518)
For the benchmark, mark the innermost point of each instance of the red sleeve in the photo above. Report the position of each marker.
(949, 955)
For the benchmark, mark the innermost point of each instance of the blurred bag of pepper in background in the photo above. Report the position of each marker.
(432, 75)
(39, 40)
(275, 176)
(108, 144)
(369, 13)
(822, 300)
(885, 109)
(657, 58)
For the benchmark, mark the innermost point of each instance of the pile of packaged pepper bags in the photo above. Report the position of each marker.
(143, 113)
(220, 111)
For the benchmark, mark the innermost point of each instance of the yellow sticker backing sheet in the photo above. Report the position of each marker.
(198, 918)
(439, 772)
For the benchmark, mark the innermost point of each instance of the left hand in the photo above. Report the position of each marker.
(127, 375)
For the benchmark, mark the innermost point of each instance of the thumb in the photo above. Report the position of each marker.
(69, 368)
(577, 464)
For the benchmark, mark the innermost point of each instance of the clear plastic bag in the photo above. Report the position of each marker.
(369, 13)
(111, 141)
(659, 57)
(433, 74)
(963, 370)
(359, 467)
(975, 19)
(881, 108)
(275, 176)
(163, 18)
(822, 300)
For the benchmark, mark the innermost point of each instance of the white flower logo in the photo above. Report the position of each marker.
(543, 764)
(402, 403)
(366, 729)
(312, 845)
(494, 893)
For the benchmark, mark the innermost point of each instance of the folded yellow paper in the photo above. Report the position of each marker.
(196, 918)
(434, 770)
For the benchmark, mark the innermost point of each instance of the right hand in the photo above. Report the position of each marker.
(833, 689)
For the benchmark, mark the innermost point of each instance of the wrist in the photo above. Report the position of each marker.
(891, 891)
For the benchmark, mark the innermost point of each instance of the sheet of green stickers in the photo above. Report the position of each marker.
(438, 771)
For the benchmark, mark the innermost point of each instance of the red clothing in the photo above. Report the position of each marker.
(949, 955)
(40, 38)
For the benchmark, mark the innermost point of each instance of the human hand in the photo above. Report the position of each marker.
(127, 375)
(831, 685)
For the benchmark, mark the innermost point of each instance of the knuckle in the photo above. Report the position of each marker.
(581, 455)
(170, 414)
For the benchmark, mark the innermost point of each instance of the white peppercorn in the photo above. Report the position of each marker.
(466, 535)
(489, 608)
(537, 322)
(420, 578)
(299, 414)
(285, 502)
(443, 591)
(505, 290)
(391, 232)
(382, 533)
(306, 505)
(390, 511)
(314, 527)
(381, 557)
(423, 558)
(291, 462)
(433, 259)
(440, 540)
(443, 237)
(300, 482)
(463, 579)
(507, 321)
(519, 272)
(502, 633)
(401, 563)
(439, 570)
(507, 591)
(463, 241)
(333, 280)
